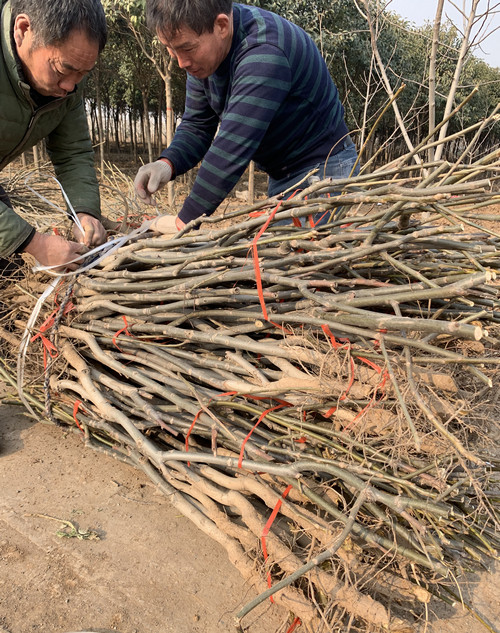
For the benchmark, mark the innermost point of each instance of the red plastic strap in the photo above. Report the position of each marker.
(330, 412)
(262, 416)
(46, 325)
(384, 373)
(255, 253)
(371, 364)
(313, 223)
(266, 529)
(382, 331)
(124, 329)
(191, 429)
(297, 622)
(75, 411)
(333, 340)
(48, 347)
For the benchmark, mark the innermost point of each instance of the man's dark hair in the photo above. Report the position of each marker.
(168, 16)
(53, 21)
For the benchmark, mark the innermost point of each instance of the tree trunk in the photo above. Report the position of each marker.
(117, 127)
(169, 119)
(133, 137)
(458, 70)
(147, 126)
(432, 75)
(159, 136)
(100, 126)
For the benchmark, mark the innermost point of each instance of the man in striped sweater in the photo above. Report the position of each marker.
(257, 89)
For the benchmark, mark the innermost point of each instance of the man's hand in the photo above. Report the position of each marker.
(54, 250)
(167, 225)
(150, 178)
(95, 234)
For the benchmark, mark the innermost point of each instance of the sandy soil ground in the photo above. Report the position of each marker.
(151, 571)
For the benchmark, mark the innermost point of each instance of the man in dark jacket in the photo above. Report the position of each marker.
(257, 89)
(47, 48)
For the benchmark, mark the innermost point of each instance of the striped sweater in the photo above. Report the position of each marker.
(275, 102)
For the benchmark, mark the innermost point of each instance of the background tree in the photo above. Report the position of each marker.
(137, 93)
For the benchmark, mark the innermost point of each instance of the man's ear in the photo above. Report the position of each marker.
(22, 26)
(223, 24)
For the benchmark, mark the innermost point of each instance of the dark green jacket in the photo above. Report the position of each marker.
(62, 122)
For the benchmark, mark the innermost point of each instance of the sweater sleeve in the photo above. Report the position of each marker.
(261, 82)
(196, 131)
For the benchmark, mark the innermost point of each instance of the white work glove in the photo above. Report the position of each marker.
(167, 225)
(150, 178)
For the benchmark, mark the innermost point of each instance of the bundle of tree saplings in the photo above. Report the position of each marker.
(317, 399)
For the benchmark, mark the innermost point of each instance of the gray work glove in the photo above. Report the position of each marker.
(150, 178)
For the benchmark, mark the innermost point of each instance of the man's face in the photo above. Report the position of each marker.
(54, 71)
(201, 55)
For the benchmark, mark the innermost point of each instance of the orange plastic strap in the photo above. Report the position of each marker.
(266, 529)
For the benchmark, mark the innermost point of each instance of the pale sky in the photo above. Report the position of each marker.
(425, 10)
